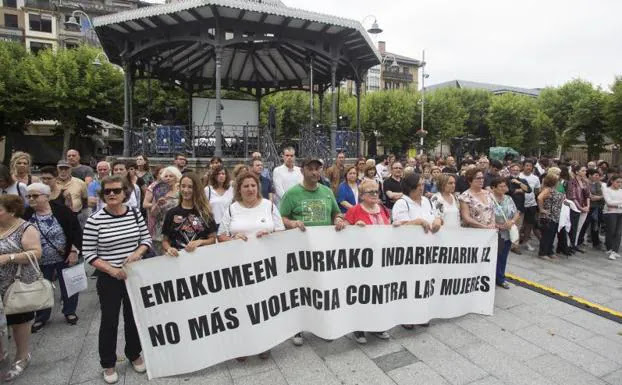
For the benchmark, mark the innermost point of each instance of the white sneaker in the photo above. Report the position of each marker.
(298, 340)
(529, 247)
(111, 378)
(139, 368)
(360, 338)
(613, 256)
(382, 335)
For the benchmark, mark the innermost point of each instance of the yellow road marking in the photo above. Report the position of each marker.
(574, 298)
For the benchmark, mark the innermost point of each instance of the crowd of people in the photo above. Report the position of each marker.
(125, 211)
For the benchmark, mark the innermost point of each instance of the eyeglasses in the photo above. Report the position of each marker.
(115, 191)
(33, 196)
(370, 192)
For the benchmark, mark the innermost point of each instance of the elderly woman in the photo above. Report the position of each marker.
(61, 241)
(114, 236)
(506, 216)
(191, 224)
(415, 209)
(219, 192)
(20, 168)
(171, 176)
(121, 168)
(476, 205)
(445, 201)
(250, 215)
(550, 202)
(369, 211)
(19, 241)
(348, 191)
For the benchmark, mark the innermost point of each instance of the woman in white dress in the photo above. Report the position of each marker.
(219, 192)
(446, 202)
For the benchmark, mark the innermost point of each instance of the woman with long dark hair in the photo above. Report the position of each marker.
(191, 224)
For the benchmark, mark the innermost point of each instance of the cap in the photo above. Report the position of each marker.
(309, 161)
(63, 163)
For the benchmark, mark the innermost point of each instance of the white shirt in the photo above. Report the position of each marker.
(405, 209)
(285, 178)
(238, 219)
(382, 170)
(534, 183)
(219, 203)
(17, 188)
(451, 211)
(612, 197)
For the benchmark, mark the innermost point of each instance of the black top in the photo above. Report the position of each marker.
(518, 198)
(184, 225)
(394, 186)
(266, 187)
(461, 184)
(68, 222)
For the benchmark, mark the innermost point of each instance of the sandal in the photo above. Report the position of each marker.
(408, 326)
(38, 325)
(17, 369)
(71, 319)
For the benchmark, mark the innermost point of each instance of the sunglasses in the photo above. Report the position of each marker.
(115, 191)
(33, 196)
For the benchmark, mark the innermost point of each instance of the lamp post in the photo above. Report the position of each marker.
(374, 30)
(422, 133)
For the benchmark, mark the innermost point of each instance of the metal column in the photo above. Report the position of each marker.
(311, 90)
(333, 118)
(358, 118)
(218, 123)
(127, 135)
(190, 122)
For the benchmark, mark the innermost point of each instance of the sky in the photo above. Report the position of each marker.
(526, 43)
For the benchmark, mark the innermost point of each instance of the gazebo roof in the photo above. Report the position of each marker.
(265, 44)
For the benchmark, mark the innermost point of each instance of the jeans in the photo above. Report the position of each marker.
(69, 304)
(593, 222)
(576, 221)
(112, 293)
(549, 230)
(503, 250)
(614, 231)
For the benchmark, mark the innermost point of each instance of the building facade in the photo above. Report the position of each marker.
(40, 24)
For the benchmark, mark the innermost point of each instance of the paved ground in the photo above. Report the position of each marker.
(531, 340)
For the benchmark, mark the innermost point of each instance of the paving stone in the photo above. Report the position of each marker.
(215, 375)
(452, 335)
(272, 377)
(133, 378)
(508, 369)
(488, 381)
(608, 347)
(508, 321)
(551, 323)
(395, 360)
(503, 340)
(300, 365)
(614, 378)
(417, 374)
(597, 324)
(325, 348)
(443, 360)
(568, 350)
(562, 371)
(354, 367)
(375, 347)
(253, 365)
(504, 299)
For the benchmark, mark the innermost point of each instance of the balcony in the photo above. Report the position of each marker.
(398, 76)
(11, 34)
(38, 4)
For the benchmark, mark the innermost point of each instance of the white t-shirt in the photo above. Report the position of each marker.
(285, 178)
(17, 188)
(382, 170)
(614, 198)
(238, 219)
(450, 213)
(405, 209)
(219, 203)
(534, 183)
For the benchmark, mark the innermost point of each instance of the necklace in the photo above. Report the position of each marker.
(10, 229)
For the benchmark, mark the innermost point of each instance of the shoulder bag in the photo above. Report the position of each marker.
(514, 233)
(21, 297)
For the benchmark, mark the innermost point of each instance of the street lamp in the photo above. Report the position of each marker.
(374, 30)
(72, 24)
(422, 133)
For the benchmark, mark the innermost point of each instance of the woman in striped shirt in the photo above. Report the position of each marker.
(114, 236)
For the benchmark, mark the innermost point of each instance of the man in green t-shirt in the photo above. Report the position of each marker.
(310, 204)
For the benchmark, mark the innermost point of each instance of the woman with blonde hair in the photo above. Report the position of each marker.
(191, 224)
(171, 176)
(445, 201)
(20, 168)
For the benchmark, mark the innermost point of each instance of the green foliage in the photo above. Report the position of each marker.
(445, 116)
(13, 99)
(510, 120)
(613, 111)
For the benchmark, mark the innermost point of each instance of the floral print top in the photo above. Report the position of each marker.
(483, 213)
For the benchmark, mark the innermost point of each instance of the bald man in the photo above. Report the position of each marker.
(78, 170)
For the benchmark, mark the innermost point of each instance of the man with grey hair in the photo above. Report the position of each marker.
(103, 170)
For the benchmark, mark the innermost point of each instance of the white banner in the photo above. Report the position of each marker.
(241, 298)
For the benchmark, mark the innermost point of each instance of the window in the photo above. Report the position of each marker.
(10, 21)
(71, 45)
(36, 47)
(40, 23)
(10, 3)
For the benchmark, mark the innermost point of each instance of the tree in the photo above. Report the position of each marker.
(588, 118)
(510, 119)
(14, 103)
(613, 111)
(445, 116)
(477, 104)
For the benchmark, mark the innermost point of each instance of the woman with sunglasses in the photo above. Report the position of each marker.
(369, 211)
(191, 224)
(114, 236)
(61, 240)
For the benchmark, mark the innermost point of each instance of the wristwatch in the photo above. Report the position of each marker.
(12, 258)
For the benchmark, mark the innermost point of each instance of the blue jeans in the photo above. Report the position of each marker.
(69, 304)
(503, 251)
